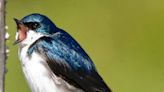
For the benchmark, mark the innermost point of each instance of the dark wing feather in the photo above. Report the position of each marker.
(68, 60)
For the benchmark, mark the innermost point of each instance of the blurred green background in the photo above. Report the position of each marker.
(124, 38)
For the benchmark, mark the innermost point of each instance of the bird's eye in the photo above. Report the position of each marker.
(32, 25)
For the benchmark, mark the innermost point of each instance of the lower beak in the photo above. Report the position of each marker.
(16, 42)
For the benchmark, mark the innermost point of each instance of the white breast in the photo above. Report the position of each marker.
(39, 76)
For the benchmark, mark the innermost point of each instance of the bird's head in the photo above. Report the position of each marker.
(34, 24)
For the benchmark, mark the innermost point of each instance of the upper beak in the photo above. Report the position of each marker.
(18, 22)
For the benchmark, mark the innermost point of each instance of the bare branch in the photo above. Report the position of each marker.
(2, 44)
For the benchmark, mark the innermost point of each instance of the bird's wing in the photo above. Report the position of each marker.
(68, 60)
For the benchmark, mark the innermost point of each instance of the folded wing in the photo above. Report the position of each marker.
(68, 60)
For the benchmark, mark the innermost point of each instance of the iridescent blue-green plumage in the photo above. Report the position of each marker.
(65, 56)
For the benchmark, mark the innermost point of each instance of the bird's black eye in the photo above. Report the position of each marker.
(32, 25)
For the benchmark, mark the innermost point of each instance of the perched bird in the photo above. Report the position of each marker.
(52, 60)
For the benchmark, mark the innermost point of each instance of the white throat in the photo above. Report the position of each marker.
(32, 36)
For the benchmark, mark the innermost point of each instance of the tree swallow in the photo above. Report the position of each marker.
(52, 61)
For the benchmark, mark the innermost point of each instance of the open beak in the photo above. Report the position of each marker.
(22, 29)
(18, 22)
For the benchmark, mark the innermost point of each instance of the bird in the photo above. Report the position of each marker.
(52, 60)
